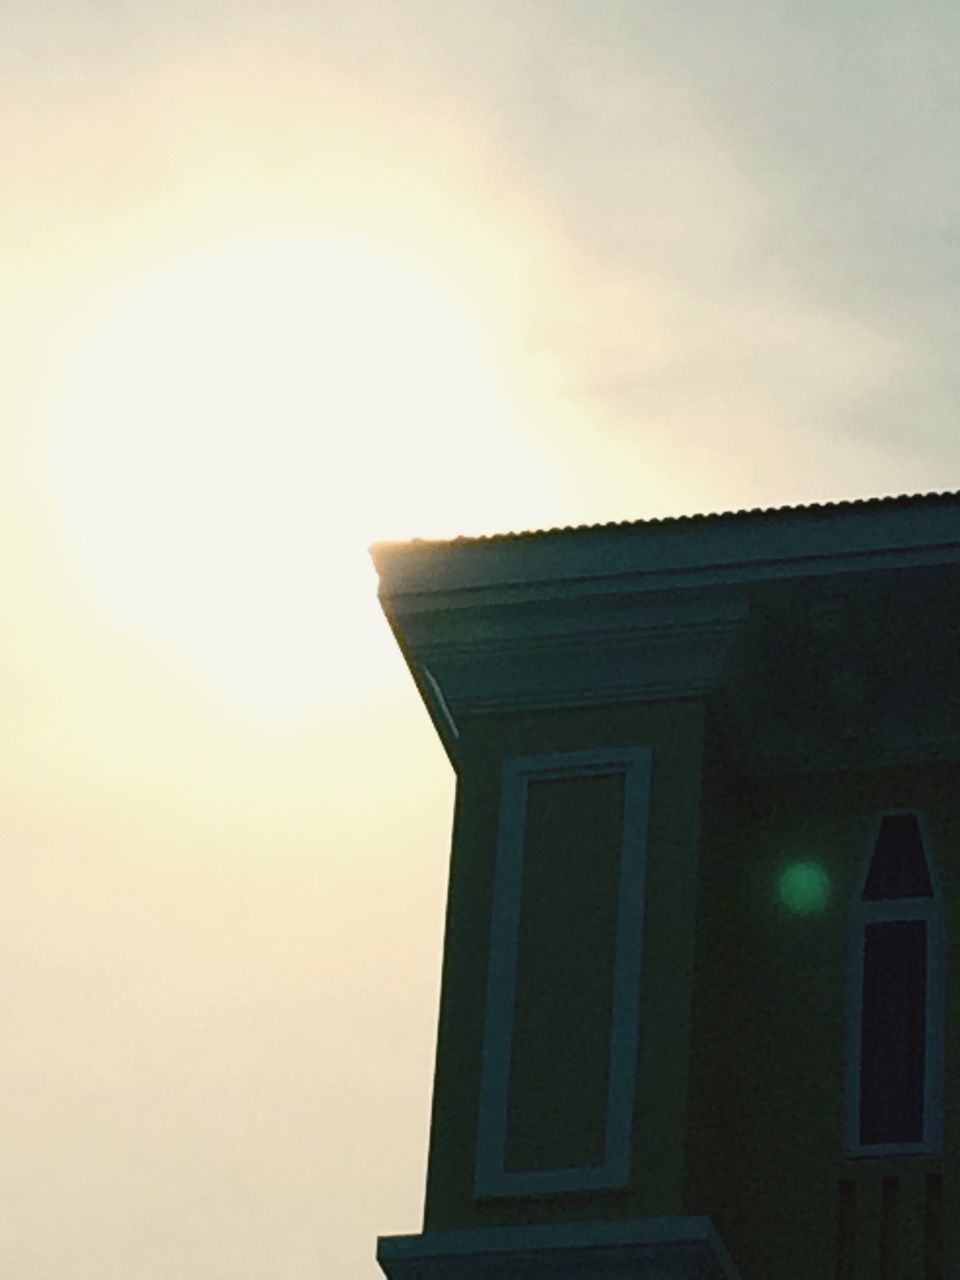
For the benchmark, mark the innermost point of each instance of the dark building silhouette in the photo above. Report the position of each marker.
(699, 1002)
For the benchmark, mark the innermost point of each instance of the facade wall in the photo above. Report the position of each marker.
(817, 637)
(765, 1151)
(674, 732)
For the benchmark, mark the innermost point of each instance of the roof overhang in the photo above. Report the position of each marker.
(624, 612)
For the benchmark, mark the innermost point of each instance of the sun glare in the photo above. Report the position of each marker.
(240, 429)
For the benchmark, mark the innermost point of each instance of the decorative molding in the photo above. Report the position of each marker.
(851, 674)
(570, 654)
(435, 693)
(658, 611)
(661, 1248)
(492, 1176)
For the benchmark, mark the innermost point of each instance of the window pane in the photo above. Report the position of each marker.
(893, 1032)
(898, 868)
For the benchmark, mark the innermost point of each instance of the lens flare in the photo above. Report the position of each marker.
(804, 888)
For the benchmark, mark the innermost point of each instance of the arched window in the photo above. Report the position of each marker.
(895, 1016)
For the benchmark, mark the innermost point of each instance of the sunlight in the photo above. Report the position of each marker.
(240, 429)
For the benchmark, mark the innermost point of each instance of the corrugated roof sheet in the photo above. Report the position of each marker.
(812, 508)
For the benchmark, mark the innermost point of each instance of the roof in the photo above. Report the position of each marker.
(487, 623)
(772, 542)
(714, 517)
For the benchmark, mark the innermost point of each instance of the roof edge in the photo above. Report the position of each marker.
(947, 497)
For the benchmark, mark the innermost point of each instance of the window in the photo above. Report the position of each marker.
(895, 1014)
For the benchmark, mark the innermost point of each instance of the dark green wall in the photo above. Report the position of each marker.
(674, 731)
(764, 1153)
(743, 999)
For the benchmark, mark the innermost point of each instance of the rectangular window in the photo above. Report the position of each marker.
(893, 1032)
(895, 1003)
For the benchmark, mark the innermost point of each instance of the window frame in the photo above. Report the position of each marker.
(862, 914)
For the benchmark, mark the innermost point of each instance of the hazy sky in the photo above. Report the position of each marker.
(282, 278)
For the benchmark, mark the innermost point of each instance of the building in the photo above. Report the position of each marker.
(700, 978)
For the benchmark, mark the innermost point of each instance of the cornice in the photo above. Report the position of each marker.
(863, 675)
(561, 654)
(648, 612)
(681, 1248)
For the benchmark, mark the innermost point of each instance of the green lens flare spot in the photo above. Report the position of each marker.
(804, 888)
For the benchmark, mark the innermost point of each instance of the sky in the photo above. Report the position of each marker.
(280, 280)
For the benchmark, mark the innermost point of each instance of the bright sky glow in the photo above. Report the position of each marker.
(239, 430)
(281, 278)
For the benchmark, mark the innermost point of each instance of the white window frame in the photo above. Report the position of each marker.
(492, 1176)
(862, 914)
